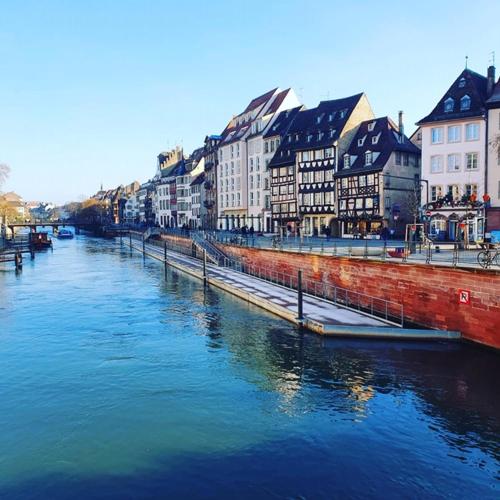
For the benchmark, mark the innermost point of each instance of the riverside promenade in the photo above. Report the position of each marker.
(320, 316)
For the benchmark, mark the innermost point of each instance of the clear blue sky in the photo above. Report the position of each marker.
(91, 91)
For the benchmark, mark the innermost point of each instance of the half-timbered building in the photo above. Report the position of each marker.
(378, 180)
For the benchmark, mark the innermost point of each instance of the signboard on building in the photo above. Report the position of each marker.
(464, 297)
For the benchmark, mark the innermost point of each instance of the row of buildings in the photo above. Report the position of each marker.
(336, 169)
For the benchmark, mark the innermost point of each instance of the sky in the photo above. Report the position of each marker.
(91, 91)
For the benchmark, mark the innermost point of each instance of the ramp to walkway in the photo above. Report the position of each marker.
(320, 316)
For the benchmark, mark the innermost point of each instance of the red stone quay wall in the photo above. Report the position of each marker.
(430, 294)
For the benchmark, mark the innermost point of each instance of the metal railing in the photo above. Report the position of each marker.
(375, 307)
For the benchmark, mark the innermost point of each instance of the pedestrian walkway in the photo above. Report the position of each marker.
(320, 316)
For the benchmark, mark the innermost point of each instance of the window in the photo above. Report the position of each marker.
(454, 191)
(406, 159)
(398, 158)
(461, 82)
(375, 139)
(330, 116)
(371, 126)
(305, 156)
(471, 161)
(272, 146)
(318, 176)
(318, 154)
(465, 103)
(362, 181)
(448, 105)
(309, 137)
(251, 198)
(329, 153)
(436, 135)
(436, 164)
(328, 175)
(289, 138)
(359, 203)
(471, 189)
(258, 163)
(472, 132)
(453, 162)
(266, 147)
(454, 133)
(361, 141)
(251, 164)
(436, 192)
(347, 161)
(332, 133)
(369, 203)
(368, 158)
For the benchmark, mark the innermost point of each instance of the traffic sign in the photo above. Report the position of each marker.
(464, 297)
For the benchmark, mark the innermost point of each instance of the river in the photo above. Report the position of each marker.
(121, 381)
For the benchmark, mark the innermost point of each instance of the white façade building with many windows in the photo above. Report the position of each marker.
(241, 185)
(453, 142)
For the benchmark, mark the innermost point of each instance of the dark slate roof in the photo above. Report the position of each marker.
(178, 168)
(474, 86)
(198, 179)
(387, 143)
(282, 122)
(494, 100)
(329, 118)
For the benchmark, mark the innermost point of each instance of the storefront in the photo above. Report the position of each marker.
(457, 225)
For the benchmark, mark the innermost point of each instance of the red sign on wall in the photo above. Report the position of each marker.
(464, 296)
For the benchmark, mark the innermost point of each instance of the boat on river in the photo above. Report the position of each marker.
(40, 240)
(64, 234)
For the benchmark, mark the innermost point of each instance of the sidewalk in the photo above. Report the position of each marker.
(319, 316)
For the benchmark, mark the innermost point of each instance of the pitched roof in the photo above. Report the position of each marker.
(178, 168)
(315, 128)
(469, 83)
(387, 140)
(199, 179)
(237, 127)
(494, 100)
(282, 122)
(259, 101)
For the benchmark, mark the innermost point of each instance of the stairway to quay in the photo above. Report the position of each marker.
(290, 293)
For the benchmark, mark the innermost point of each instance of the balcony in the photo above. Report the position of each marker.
(208, 185)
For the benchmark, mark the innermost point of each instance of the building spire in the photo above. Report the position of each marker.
(466, 61)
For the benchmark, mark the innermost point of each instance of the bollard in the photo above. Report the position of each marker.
(300, 305)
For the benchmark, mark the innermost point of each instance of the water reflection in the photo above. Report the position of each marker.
(173, 387)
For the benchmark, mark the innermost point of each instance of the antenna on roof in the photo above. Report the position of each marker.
(493, 58)
(466, 61)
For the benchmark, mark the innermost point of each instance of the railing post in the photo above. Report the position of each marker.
(143, 244)
(204, 267)
(165, 252)
(130, 238)
(300, 305)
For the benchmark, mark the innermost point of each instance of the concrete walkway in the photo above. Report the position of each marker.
(320, 316)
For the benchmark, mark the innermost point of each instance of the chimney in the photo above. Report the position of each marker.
(490, 85)
(401, 128)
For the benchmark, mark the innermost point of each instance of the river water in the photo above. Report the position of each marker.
(121, 381)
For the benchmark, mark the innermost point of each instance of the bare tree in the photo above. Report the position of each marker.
(4, 173)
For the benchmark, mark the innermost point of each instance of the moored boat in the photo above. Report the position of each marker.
(40, 240)
(64, 234)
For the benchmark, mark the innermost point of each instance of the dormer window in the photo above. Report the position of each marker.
(332, 133)
(331, 116)
(320, 136)
(368, 158)
(296, 137)
(361, 141)
(347, 161)
(319, 118)
(371, 126)
(343, 112)
(309, 137)
(375, 139)
(289, 138)
(461, 82)
(465, 103)
(448, 105)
